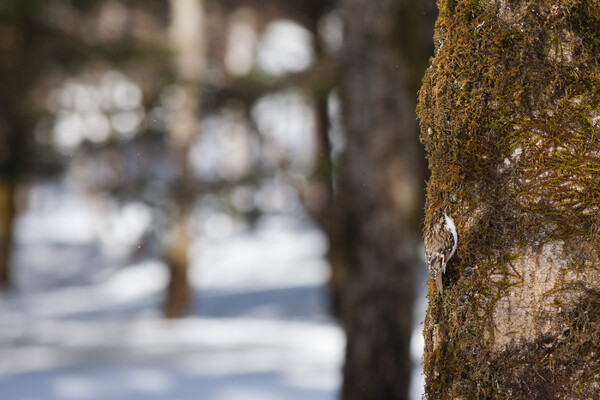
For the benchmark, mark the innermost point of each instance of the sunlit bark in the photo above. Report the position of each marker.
(510, 113)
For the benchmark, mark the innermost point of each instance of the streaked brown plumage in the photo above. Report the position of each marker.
(441, 240)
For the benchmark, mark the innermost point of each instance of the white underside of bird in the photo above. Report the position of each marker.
(452, 228)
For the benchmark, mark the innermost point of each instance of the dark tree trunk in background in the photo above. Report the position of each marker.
(18, 72)
(510, 114)
(320, 202)
(324, 201)
(379, 197)
(11, 160)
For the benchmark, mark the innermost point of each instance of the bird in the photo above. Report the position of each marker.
(441, 241)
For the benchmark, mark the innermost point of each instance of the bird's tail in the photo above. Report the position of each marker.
(438, 284)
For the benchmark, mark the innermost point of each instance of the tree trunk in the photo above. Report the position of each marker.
(324, 210)
(510, 113)
(7, 217)
(187, 34)
(11, 171)
(18, 72)
(377, 202)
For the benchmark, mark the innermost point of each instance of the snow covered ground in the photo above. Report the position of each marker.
(87, 325)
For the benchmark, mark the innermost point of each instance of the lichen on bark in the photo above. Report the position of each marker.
(510, 120)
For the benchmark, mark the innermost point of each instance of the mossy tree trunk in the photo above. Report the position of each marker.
(187, 37)
(378, 199)
(510, 114)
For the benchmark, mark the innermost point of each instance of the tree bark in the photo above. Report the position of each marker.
(18, 72)
(187, 33)
(378, 201)
(510, 113)
(7, 217)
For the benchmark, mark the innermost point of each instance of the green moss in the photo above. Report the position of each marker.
(509, 114)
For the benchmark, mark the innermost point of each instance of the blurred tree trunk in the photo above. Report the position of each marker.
(11, 159)
(17, 74)
(187, 36)
(379, 196)
(7, 217)
(510, 114)
(320, 201)
(327, 214)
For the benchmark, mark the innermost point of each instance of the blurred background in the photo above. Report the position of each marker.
(211, 199)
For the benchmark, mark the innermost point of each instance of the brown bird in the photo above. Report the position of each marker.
(441, 241)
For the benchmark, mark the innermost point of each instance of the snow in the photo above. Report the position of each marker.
(85, 324)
